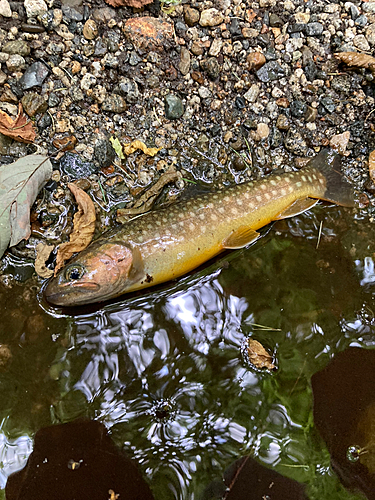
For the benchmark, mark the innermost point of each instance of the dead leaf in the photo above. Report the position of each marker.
(145, 202)
(356, 59)
(371, 165)
(83, 227)
(114, 496)
(21, 129)
(133, 146)
(258, 356)
(129, 3)
(43, 252)
(117, 147)
(20, 183)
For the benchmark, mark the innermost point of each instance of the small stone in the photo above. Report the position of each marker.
(298, 109)
(15, 63)
(295, 143)
(184, 65)
(283, 123)
(339, 142)
(249, 32)
(35, 8)
(3, 77)
(19, 47)
(262, 132)
(270, 71)
(104, 153)
(5, 9)
(310, 114)
(216, 47)
(34, 76)
(370, 34)
(88, 80)
(73, 165)
(368, 7)
(361, 21)
(196, 48)
(255, 60)
(275, 21)
(174, 108)
(33, 103)
(104, 15)
(361, 43)
(114, 103)
(72, 13)
(191, 16)
(211, 17)
(44, 121)
(313, 29)
(76, 67)
(53, 100)
(302, 17)
(211, 67)
(129, 90)
(328, 104)
(204, 92)
(252, 94)
(90, 29)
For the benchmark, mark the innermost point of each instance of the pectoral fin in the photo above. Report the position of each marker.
(296, 208)
(240, 238)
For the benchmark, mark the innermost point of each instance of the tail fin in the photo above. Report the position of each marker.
(338, 189)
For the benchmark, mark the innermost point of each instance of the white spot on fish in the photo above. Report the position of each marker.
(273, 183)
(246, 195)
(239, 202)
(259, 198)
(314, 177)
(174, 226)
(182, 223)
(290, 189)
(165, 219)
(191, 226)
(310, 179)
(278, 177)
(213, 217)
(234, 210)
(298, 184)
(202, 216)
(303, 178)
(215, 196)
(140, 239)
(210, 205)
(158, 223)
(283, 192)
(226, 198)
(268, 196)
(274, 192)
(263, 186)
(221, 210)
(321, 181)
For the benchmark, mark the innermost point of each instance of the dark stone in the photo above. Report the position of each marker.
(53, 100)
(354, 11)
(270, 54)
(174, 108)
(356, 128)
(235, 28)
(275, 21)
(340, 84)
(15, 87)
(33, 104)
(298, 109)
(104, 153)
(270, 71)
(32, 28)
(313, 29)
(361, 21)
(214, 130)
(295, 143)
(311, 70)
(34, 76)
(180, 28)
(134, 58)
(112, 45)
(72, 164)
(250, 124)
(276, 137)
(114, 103)
(17, 47)
(129, 89)
(72, 13)
(211, 67)
(45, 121)
(240, 102)
(296, 28)
(328, 104)
(100, 48)
(263, 39)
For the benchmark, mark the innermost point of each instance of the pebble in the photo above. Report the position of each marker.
(298, 109)
(114, 103)
(368, 7)
(90, 30)
(34, 76)
(270, 71)
(72, 164)
(88, 80)
(184, 65)
(262, 132)
(361, 43)
(104, 153)
(252, 94)
(15, 63)
(216, 47)
(33, 104)
(283, 123)
(211, 17)
(255, 60)
(129, 90)
(370, 34)
(314, 29)
(35, 8)
(295, 143)
(19, 47)
(174, 108)
(5, 9)
(211, 67)
(339, 142)
(191, 16)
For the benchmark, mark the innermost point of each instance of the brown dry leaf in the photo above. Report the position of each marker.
(258, 356)
(371, 165)
(21, 129)
(356, 59)
(42, 255)
(114, 496)
(133, 146)
(129, 3)
(83, 227)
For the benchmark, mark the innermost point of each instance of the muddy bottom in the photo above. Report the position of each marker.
(165, 371)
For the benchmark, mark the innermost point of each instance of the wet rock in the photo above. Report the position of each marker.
(313, 29)
(100, 48)
(15, 63)
(129, 90)
(310, 114)
(17, 47)
(252, 94)
(240, 102)
(149, 33)
(104, 14)
(275, 21)
(5, 9)
(72, 13)
(35, 8)
(53, 100)
(134, 58)
(311, 70)
(34, 103)
(262, 132)
(184, 65)
(211, 67)
(72, 164)
(45, 121)
(114, 103)
(295, 143)
(5, 143)
(255, 60)
(298, 109)
(234, 28)
(104, 153)
(34, 76)
(283, 123)
(328, 104)
(90, 30)
(191, 16)
(339, 142)
(211, 17)
(361, 21)
(270, 71)
(174, 108)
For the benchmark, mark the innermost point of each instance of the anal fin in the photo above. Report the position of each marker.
(296, 208)
(240, 238)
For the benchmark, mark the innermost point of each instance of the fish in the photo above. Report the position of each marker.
(167, 243)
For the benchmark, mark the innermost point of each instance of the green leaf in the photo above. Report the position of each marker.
(20, 183)
(117, 147)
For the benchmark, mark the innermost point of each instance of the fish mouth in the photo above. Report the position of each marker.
(70, 294)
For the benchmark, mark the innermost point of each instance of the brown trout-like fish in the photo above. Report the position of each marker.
(167, 243)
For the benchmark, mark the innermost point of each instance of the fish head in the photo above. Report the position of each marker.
(99, 273)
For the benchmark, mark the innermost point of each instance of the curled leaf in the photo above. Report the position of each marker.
(21, 129)
(134, 145)
(371, 165)
(83, 227)
(42, 255)
(258, 356)
(356, 59)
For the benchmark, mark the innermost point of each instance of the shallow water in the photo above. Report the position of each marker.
(165, 370)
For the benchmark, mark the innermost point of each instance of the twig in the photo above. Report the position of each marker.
(319, 234)
(103, 193)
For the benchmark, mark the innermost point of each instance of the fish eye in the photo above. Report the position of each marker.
(74, 272)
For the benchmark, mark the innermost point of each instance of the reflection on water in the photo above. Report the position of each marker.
(164, 371)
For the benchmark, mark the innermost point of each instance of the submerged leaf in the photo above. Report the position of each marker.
(83, 230)
(117, 147)
(20, 183)
(21, 129)
(356, 59)
(258, 356)
(133, 146)
(42, 255)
